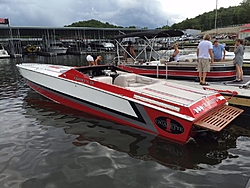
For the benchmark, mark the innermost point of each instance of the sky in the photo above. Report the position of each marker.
(139, 13)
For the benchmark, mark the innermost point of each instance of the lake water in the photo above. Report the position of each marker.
(47, 145)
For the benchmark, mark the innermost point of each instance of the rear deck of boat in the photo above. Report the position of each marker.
(165, 90)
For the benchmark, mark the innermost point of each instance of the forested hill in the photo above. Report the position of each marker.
(95, 24)
(230, 16)
(233, 15)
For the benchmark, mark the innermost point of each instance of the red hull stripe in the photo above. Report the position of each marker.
(161, 72)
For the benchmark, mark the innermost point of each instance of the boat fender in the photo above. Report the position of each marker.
(31, 49)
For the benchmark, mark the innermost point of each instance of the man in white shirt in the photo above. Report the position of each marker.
(204, 54)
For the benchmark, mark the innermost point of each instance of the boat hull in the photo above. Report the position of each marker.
(4, 54)
(158, 107)
(58, 50)
(184, 71)
(179, 130)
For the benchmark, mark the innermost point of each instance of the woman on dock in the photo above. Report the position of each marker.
(238, 59)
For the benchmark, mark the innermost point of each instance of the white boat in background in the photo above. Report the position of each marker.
(57, 47)
(3, 53)
(192, 57)
(102, 46)
(157, 106)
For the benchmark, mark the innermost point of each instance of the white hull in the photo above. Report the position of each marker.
(4, 54)
(58, 50)
(79, 91)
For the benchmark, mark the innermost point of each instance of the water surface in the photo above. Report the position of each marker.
(47, 145)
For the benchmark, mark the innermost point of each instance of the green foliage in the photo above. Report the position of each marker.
(93, 23)
(233, 15)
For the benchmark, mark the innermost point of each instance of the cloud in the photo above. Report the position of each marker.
(146, 13)
(59, 13)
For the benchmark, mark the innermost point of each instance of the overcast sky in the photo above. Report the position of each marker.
(139, 13)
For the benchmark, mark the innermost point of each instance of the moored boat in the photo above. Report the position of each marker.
(182, 70)
(160, 107)
(3, 53)
(160, 67)
(57, 47)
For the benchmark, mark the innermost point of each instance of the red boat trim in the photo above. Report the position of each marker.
(222, 91)
(152, 71)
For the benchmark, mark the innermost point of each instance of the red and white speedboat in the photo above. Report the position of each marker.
(157, 106)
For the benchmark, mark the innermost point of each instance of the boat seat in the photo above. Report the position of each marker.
(125, 79)
(163, 61)
(133, 80)
(104, 79)
(145, 80)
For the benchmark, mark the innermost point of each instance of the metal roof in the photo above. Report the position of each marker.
(153, 34)
(33, 31)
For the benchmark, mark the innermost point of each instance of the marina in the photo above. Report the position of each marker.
(44, 135)
(138, 119)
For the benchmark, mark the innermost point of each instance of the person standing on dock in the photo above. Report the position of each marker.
(93, 59)
(204, 51)
(218, 50)
(238, 59)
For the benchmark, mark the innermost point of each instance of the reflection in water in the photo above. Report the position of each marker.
(36, 152)
(211, 149)
(102, 147)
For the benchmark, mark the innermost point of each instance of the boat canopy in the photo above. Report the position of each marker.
(152, 34)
